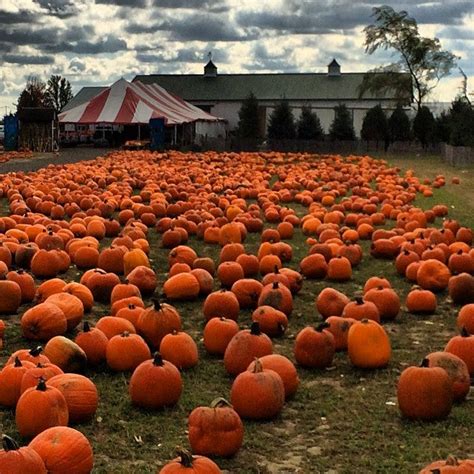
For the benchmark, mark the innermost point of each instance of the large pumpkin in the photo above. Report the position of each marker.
(80, 394)
(66, 354)
(368, 345)
(64, 450)
(424, 393)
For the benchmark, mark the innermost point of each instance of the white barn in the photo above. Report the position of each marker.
(222, 94)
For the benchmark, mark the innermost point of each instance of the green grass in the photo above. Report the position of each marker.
(342, 419)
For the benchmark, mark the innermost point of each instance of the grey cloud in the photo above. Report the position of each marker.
(185, 56)
(12, 18)
(309, 18)
(27, 59)
(59, 8)
(456, 33)
(111, 44)
(264, 60)
(76, 65)
(215, 6)
(140, 28)
(202, 27)
(23, 36)
(124, 3)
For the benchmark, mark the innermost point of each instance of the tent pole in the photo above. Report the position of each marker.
(175, 135)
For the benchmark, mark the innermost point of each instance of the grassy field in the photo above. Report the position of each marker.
(341, 419)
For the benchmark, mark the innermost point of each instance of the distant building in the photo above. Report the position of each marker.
(222, 94)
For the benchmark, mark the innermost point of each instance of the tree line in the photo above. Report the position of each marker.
(455, 127)
(55, 93)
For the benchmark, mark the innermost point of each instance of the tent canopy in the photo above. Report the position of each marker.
(135, 103)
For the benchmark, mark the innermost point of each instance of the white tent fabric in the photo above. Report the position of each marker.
(135, 103)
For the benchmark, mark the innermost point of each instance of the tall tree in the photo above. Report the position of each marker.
(248, 118)
(399, 125)
(424, 126)
(58, 92)
(422, 59)
(281, 124)
(461, 120)
(309, 125)
(34, 93)
(341, 127)
(374, 125)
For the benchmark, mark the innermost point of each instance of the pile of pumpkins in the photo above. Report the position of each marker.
(60, 216)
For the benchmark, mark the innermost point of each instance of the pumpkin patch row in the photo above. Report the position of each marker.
(106, 221)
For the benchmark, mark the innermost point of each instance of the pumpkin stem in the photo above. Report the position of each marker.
(186, 457)
(36, 351)
(125, 334)
(322, 326)
(157, 359)
(452, 461)
(41, 385)
(156, 304)
(276, 271)
(9, 444)
(131, 306)
(255, 329)
(257, 366)
(86, 327)
(359, 300)
(464, 332)
(17, 362)
(425, 362)
(275, 285)
(219, 403)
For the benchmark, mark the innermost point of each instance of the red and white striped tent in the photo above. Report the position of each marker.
(135, 103)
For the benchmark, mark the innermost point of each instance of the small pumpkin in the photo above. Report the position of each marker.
(244, 347)
(16, 460)
(10, 381)
(126, 352)
(456, 369)
(258, 394)
(155, 383)
(39, 408)
(218, 332)
(179, 348)
(216, 430)
(185, 463)
(93, 342)
(315, 347)
(284, 368)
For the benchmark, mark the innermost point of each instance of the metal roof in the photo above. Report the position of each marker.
(274, 86)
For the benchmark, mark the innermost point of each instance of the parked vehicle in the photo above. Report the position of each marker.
(2, 133)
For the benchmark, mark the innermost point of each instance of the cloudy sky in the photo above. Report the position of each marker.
(95, 42)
